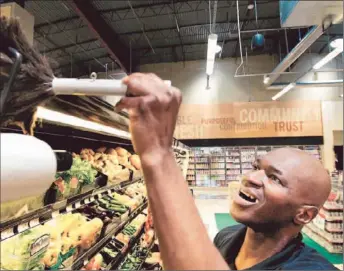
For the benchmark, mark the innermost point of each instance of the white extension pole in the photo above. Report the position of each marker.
(90, 87)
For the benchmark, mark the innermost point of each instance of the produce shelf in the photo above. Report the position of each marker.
(129, 248)
(87, 256)
(17, 225)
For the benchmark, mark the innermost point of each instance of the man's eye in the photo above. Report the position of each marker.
(275, 179)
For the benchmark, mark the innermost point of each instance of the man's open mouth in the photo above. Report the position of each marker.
(248, 197)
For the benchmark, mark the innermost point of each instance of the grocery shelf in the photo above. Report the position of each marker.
(35, 218)
(117, 265)
(235, 158)
(328, 217)
(332, 248)
(87, 256)
(333, 206)
(325, 234)
(334, 230)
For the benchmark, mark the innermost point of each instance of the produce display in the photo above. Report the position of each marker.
(131, 230)
(95, 263)
(115, 163)
(60, 241)
(25, 251)
(137, 256)
(70, 234)
(71, 182)
(135, 259)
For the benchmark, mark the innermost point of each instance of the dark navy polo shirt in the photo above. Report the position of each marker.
(295, 256)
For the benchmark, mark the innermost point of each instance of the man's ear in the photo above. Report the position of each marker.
(305, 214)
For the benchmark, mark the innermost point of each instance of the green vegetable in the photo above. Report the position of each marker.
(24, 251)
(80, 169)
(110, 252)
(117, 208)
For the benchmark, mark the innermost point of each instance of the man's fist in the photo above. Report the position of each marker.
(153, 108)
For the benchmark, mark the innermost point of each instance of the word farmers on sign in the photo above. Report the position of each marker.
(248, 120)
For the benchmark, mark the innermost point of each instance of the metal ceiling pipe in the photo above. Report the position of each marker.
(313, 34)
(307, 84)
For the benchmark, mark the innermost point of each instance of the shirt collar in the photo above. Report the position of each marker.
(272, 263)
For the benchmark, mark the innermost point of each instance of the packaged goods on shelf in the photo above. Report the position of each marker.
(327, 228)
(25, 251)
(236, 161)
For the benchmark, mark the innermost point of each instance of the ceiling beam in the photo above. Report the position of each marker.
(87, 60)
(157, 4)
(111, 40)
(233, 39)
(67, 46)
(80, 65)
(159, 29)
(200, 25)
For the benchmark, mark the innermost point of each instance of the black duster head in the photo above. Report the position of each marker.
(32, 84)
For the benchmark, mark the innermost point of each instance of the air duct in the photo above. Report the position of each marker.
(313, 34)
(307, 84)
(296, 13)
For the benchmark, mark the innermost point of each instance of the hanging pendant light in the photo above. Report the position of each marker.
(258, 39)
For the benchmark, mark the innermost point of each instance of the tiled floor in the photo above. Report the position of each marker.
(210, 202)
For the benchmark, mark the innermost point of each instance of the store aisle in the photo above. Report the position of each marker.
(210, 201)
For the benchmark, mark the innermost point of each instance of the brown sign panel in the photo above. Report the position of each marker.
(249, 120)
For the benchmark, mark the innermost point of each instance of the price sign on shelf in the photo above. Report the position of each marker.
(6, 233)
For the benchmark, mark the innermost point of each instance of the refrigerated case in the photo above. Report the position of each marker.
(94, 215)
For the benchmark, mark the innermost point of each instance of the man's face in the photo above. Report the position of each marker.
(268, 197)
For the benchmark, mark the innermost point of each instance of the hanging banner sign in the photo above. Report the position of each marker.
(249, 120)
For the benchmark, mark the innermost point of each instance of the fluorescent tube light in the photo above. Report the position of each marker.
(328, 57)
(283, 91)
(58, 117)
(337, 43)
(212, 43)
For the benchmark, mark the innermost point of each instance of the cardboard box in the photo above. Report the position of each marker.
(27, 21)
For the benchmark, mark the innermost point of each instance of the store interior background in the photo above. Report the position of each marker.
(60, 32)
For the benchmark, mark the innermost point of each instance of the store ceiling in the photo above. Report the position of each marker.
(154, 31)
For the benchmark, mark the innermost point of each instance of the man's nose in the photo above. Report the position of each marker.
(255, 178)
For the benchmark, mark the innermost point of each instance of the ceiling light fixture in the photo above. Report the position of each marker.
(212, 43)
(218, 49)
(283, 91)
(338, 48)
(337, 43)
(341, 95)
(266, 79)
(59, 117)
(250, 6)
